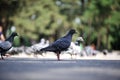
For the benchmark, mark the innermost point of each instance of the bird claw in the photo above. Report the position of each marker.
(1, 58)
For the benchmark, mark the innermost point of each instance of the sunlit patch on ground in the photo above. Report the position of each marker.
(50, 55)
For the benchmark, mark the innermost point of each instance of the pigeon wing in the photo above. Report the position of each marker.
(61, 44)
(5, 45)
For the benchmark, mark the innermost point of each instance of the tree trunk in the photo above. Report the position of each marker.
(107, 38)
(98, 41)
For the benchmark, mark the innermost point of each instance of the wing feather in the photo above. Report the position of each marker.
(5, 45)
(61, 44)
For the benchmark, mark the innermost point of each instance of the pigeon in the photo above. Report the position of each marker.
(7, 44)
(61, 44)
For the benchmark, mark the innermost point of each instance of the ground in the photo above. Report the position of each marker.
(13, 68)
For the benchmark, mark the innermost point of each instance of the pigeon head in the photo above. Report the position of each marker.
(72, 31)
(11, 37)
(14, 34)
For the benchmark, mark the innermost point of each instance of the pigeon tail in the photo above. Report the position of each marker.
(48, 49)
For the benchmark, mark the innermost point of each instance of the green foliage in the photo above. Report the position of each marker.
(98, 21)
(16, 42)
(101, 15)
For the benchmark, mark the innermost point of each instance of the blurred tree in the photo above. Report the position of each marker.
(38, 18)
(73, 11)
(96, 20)
(97, 17)
(113, 22)
(7, 8)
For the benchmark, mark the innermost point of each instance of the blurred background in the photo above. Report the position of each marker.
(97, 21)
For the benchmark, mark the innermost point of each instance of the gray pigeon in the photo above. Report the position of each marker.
(61, 44)
(7, 44)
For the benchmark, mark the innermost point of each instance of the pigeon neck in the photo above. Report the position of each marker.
(10, 39)
(69, 36)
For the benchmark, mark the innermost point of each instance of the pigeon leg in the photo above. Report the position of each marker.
(58, 56)
(2, 57)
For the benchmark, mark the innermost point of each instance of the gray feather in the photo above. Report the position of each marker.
(5, 45)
